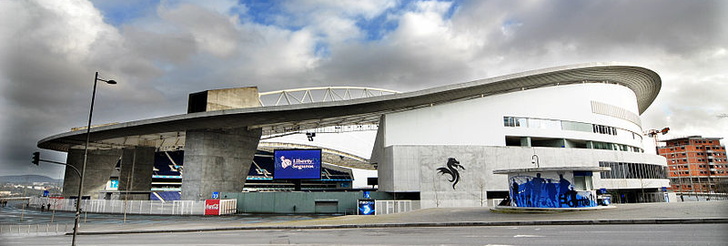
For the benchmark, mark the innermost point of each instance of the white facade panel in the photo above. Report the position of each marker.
(480, 121)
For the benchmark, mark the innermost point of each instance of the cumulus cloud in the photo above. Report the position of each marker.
(160, 51)
(213, 33)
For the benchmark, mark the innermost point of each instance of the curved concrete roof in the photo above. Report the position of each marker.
(644, 82)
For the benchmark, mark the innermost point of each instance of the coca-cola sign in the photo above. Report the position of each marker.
(212, 207)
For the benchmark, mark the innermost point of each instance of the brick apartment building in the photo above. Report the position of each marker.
(696, 165)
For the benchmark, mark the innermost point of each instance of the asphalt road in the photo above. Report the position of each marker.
(13, 214)
(664, 234)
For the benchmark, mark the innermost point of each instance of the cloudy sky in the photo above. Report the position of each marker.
(160, 51)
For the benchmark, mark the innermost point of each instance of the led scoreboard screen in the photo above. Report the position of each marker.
(297, 164)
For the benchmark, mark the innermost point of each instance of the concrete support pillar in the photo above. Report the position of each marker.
(135, 175)
(99, 166)
(217, 160)
(70, 177)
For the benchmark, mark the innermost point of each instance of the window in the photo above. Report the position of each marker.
(602, 145)
(514, 121)
(509, 121)
(544, 124)
(576, 126)
(626, 170)
(583, 180)
(609, 130)
(623, 147)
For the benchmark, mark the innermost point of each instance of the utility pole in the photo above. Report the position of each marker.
(652, 133)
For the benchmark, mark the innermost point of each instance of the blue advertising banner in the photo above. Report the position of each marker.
(297, 164)
(367, 207)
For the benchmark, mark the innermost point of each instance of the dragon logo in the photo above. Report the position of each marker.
(452, 170)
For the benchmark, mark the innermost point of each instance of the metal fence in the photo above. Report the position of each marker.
(691, 196)
(123, 206)
(395, 206)
(226, 206)
(36, 229)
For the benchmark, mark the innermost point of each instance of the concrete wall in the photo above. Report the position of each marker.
(401, 174)
(415, 168)
(304, 202)
(232, 98)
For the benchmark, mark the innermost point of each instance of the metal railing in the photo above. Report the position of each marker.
(35, 229)
(178, 207)
(319, 94)
(395, 206)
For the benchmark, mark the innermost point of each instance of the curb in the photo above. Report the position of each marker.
(509, 209)
(430, 224)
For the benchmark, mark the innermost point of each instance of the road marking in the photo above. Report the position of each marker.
(528, 236)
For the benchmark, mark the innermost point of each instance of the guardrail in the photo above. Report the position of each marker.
(178, 207)
(36, 229)
(395, 206)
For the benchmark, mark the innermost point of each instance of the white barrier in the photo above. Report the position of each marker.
(228, 206)
(35, 229)
(395, 206)
(221, 206)
(177, 207)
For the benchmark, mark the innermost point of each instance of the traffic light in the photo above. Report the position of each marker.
(36, 158)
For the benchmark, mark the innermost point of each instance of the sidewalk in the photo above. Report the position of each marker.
(646, 213)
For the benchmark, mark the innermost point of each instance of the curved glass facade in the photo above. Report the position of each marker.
(627, 170)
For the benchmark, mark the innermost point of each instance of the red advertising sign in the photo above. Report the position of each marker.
(56, 202)
(212, 207)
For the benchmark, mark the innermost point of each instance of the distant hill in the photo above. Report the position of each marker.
(19, 179)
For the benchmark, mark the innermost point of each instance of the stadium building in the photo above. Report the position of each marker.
(582, 116)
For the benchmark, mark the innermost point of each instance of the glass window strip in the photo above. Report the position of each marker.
(511, 121)
(626, 170)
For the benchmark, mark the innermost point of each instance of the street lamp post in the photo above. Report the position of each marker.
(85, 155)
